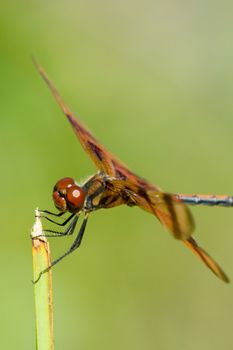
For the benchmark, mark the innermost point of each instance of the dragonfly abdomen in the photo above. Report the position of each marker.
(224, 201)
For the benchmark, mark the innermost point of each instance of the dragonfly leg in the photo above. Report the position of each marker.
(50, 213)
(73, 247)
(59, 223)
(68, 231)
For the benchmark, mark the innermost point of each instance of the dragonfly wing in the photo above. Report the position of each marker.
(170, 210)
(97, 152)
(102, 158)
(176, 217)
(173, 214)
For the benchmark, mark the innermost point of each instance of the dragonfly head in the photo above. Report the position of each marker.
(68, 196)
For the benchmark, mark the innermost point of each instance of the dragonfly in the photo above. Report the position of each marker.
(115, 184)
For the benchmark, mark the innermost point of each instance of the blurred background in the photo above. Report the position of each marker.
(153, 80)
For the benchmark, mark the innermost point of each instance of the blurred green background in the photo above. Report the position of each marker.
(153, 80)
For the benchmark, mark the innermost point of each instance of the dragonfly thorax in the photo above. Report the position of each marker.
(68, 196)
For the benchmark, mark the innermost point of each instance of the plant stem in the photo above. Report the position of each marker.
(42, 288)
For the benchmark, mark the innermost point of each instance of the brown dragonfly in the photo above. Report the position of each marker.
(114, 185)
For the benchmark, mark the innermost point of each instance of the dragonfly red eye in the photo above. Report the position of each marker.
(68, 196)
(75, 197)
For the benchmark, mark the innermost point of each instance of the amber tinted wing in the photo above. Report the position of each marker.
(171, 211)
(101, 157)
(173, 214)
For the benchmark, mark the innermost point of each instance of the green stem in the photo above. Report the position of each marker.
(42, 289)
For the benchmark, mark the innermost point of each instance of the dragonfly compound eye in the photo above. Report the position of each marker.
(75, 197)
